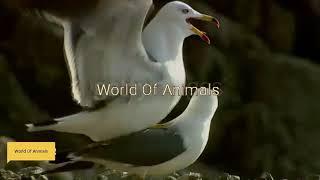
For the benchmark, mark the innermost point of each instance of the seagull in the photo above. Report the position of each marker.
(154, 151)
(109, 46)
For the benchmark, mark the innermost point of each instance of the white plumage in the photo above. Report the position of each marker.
(108, 46)
(155, 151)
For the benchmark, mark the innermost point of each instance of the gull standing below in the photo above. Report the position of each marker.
(108, 46)
(153, 151)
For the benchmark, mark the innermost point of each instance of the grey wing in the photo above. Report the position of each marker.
(109, 49)
(151, 147)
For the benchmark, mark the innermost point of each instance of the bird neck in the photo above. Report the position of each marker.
(195, 121)
(163, 40)
(199, 112)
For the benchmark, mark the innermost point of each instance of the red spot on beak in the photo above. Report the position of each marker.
(205, 38)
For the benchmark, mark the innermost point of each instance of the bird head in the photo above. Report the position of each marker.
(182, 15)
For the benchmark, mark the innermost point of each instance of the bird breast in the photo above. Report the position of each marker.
(176, 72)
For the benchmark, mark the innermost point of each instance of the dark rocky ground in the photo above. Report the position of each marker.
(265, 55)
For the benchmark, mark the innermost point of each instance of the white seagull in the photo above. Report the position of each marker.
(108, 46)
(152, 151)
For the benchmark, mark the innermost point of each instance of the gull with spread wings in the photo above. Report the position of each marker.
(109, 46)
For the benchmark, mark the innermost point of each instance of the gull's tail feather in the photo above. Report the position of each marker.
(32, 128)
(64, 124)
(46, 126)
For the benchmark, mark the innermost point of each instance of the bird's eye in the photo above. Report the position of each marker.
(185, 11)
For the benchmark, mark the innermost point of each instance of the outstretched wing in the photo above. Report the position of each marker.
(106, 47)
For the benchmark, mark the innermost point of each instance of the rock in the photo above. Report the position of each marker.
(227, 176)
(6, 175)
(266, 176)
(3, 151)
(171, 178)
(42, 177)
(30, 171)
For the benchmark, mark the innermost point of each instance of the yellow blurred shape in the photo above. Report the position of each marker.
(31, 151)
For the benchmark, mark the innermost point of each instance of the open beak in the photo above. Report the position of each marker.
(202, 34)
(209, 19)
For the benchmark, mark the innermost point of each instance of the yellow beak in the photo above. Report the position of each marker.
(209, 19)
(202, 34)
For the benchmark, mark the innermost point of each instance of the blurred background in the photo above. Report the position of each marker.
(266, 55)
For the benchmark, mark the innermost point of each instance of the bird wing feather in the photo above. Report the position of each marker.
(145, 148)
(106, 47)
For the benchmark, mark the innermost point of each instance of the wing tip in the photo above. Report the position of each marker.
(30, 127)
